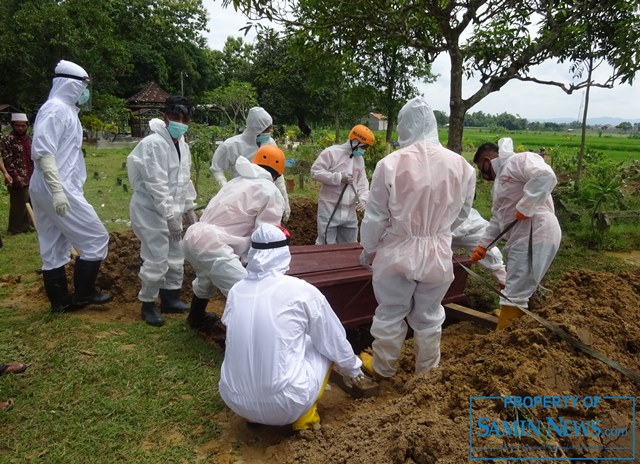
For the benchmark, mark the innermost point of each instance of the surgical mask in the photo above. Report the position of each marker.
(358, 152)
(177, 129)
(263, 138)
(84, 97)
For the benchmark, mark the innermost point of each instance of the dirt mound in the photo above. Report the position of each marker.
(427, 419)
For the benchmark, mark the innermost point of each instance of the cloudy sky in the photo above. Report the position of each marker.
(531, 101)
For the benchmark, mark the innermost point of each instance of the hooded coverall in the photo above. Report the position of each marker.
(245, 145)
(162, 188)
(327, 169)
(419, 194)
(282, 337)
(523, 182)
(57, 132)
(468, 234)
(216, 244)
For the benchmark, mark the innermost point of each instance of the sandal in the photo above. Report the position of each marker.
(12, 368)
(6, 405)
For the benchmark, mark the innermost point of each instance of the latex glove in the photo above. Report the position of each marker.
(286, 215)
(47, 165)
(360, 207)
(364, 259)
(175, 229)
(478, 254)
(520, 216)
(346, 178)
(192, 218)
(220, 178)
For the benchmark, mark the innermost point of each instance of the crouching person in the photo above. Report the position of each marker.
(282, 339)
(216, 245)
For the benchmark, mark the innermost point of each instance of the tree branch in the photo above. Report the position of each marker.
(568, 89)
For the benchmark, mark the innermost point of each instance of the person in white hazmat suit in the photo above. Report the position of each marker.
(218, 244)
(468, 234)
(419, 194)
(521, 192)
(256, 134)
(159, 169)
(282, 339)
(344, 187)
(63, 215)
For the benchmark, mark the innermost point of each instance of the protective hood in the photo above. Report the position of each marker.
(246, 168)
(505, 147)
(417, 123)
(68, 89)
(272, 261)
(158, 126)
(257, 121)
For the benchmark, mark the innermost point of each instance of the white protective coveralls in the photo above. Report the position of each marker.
(327, 169)
(468, 234)
(523, 182)
(419, 194)
(245, 145)
(217, 243)
(57, 132)
(162, 188)
(282, 337)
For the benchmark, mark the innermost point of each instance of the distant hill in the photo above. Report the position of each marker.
(591, 121)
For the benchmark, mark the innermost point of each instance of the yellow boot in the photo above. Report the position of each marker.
(308, 419)
(367, 366)
(508, 314)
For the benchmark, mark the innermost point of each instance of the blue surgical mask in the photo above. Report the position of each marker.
(177, 129)
(359, 152)
(84, 97)
(263, 138)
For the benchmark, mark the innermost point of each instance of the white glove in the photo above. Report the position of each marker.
(192, 218)
(47, 165)
(175, 229)
(364, 259)
(286, 215)
(360, 207)
(220, 178)
(346, 178)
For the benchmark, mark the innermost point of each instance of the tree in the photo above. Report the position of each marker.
(624, 126)
(233, 101)
(506, 38)
(121, 43)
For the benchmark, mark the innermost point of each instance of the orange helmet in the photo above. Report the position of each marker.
(270, 157)
(362, 134)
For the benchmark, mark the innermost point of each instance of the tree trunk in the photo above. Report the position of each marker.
(583, 140)
(457, 107)
(338, 107)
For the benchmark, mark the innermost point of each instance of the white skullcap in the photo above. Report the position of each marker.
(72, 69)
(19, 117)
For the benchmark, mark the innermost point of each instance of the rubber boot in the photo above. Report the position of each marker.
(150, 314)
(198, 317)
(84, 280)
(311, 417)
(170, 301)
(507, 315)
(55, 285)
(367, 366)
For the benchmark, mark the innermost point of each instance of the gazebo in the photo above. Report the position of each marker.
(145, 105)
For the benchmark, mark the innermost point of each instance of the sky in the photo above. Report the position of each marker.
(526, 99)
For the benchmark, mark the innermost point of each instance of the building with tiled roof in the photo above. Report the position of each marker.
(146, 105)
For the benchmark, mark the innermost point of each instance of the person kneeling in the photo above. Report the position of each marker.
(282, 339)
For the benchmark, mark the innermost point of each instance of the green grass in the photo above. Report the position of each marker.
(106, 392)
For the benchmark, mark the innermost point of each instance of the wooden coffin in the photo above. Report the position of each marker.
(336, 271)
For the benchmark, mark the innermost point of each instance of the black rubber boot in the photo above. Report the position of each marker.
(170, 301)
(198, 317)
(84, 280)
(55, 285)
(150, 314)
